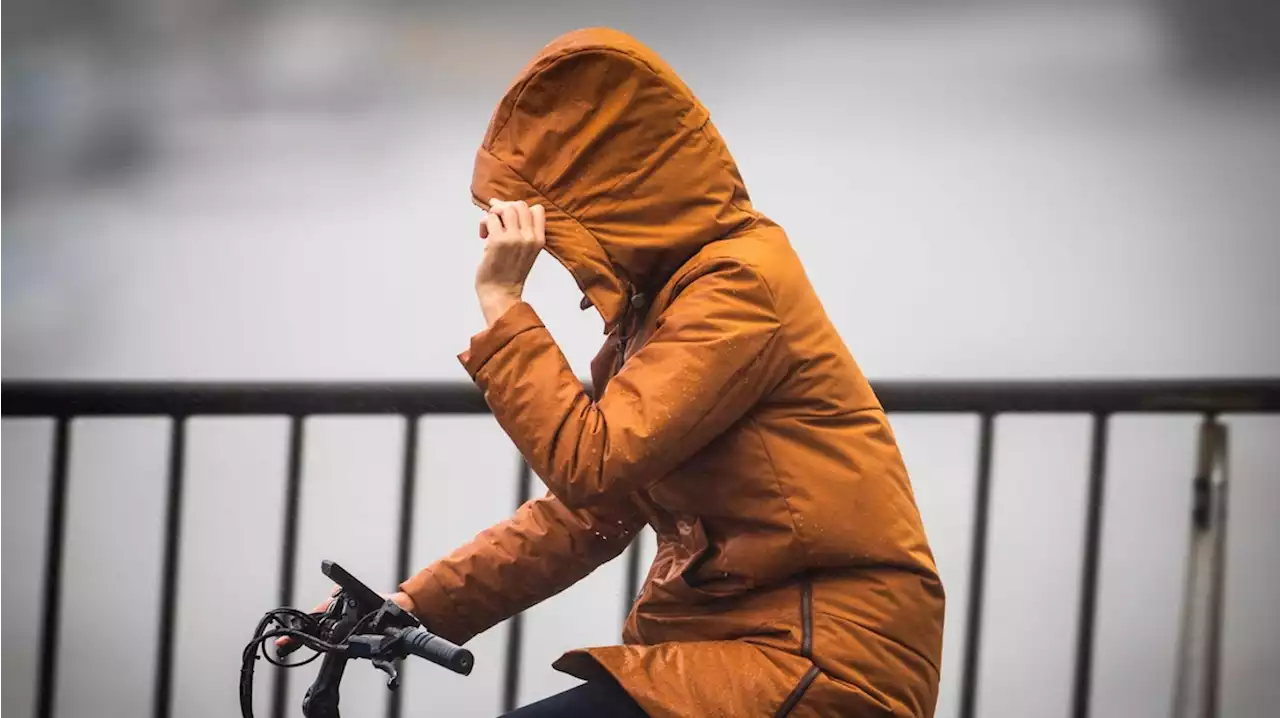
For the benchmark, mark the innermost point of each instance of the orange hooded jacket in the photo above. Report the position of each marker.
(792, 575)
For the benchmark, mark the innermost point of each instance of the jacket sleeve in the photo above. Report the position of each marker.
(710, 359)
(539, 552)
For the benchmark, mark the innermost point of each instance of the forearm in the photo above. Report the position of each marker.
(539, 552)
(691, 380)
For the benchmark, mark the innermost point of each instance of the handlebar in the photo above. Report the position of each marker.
(397, 643)
(424, 644)
(358, 623)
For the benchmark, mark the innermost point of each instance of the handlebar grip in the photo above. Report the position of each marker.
(424, 644)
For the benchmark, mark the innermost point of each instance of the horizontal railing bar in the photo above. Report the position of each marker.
(237, 398)
(50, 398)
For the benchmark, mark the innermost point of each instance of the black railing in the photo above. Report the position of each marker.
(64, 401)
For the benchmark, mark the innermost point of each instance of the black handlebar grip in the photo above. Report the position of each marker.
(421, 642)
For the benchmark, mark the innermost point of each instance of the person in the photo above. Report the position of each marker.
(792, 575)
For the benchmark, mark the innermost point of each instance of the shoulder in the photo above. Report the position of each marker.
(761, 255)
(732, 278)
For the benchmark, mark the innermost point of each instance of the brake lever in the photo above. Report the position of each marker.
(388, 667)
(379, 647)
(321, 699)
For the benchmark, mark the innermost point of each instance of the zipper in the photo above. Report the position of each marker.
(806, 650)
(793, 699)
(621, 358)
(806, 618)
(635, 300)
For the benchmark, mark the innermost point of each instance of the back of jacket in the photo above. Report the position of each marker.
(808, 486)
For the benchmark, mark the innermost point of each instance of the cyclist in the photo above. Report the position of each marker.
(792, 574)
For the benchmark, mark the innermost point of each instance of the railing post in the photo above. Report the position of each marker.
(977, 570)
(1089, 574)
(289, 545)
(515, 634)
(55, 539)
(169, 577)
(1200, 642)
(632, 586)
(404, 535)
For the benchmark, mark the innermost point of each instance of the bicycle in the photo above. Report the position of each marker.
(358, 623)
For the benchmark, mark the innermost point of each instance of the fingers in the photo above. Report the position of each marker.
(403, 600)
(539, 223)
(321, 607)
(530, 222)
(525, 218)
(507, 211)
(510, 217)
(495, 211)
(493, 226)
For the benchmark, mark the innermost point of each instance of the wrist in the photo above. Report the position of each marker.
(494, 302)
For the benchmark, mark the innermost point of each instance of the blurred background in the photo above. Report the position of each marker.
(224, 190)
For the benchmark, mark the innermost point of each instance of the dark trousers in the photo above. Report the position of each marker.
(591, 699)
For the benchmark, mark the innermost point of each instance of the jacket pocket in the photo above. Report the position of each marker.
(698, 579)
(699, 548)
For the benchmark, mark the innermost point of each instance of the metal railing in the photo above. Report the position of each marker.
(64, 401)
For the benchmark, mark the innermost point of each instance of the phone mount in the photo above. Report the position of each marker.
(352, 606)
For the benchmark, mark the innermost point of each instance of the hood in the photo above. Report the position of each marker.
(634, 177)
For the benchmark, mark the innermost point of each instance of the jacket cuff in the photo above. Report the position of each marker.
(518, 319)
(433, 605)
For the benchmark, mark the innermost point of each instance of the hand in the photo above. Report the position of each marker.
(401, 599)
(514, 234)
